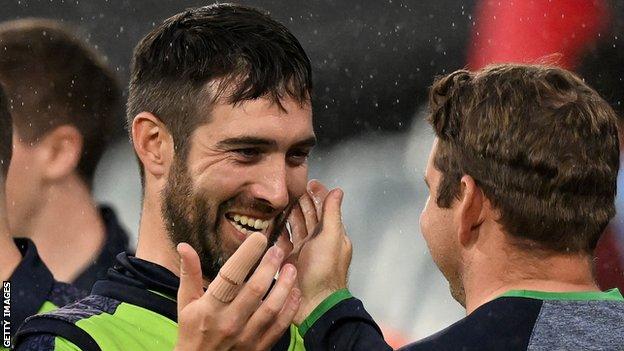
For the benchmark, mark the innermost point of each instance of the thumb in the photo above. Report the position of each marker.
(191, 279)
(283, 241)
(318, 192)
(332, 212)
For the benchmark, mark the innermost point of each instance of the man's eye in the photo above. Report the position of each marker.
(248, 153)
(298, 157)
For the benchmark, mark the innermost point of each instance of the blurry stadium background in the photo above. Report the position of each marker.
(373, 62)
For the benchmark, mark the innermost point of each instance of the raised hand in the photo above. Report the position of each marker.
(321, 248)
(231, 314)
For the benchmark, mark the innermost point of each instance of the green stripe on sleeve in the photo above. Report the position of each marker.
(47, 307)
(609, 295)
(61, 344)
(331, 301)
(131, 328)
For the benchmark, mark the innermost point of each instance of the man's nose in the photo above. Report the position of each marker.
(271, 184)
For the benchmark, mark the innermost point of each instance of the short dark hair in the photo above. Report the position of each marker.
(6, 136)
(52, 78)
(221, 51)
(541, 144)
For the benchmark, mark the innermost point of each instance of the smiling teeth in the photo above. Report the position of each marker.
(242, 230)
(251, 222)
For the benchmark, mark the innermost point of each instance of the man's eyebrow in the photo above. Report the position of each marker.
(255, 141)
(309, 142)
(426, 182)
(246, 141)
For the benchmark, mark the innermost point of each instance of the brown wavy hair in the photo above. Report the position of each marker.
(540, 143)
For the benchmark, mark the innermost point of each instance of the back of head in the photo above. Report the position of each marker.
(222, 52)
(6, 141)
(540, 143)
(52, 79)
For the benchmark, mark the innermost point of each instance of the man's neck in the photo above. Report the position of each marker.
(68, 230)
(489, 279)
(154, 244)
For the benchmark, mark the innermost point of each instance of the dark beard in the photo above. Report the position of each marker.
(187, 218)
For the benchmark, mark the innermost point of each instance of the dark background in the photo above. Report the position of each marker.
(372, 60)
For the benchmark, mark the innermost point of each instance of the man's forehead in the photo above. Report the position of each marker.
(266, 107)
(223, 92)
(259, 123)
(262, 115)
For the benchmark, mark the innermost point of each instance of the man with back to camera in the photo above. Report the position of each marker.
(522, 180)
(26, 280)
(64, 102)
(221, 122)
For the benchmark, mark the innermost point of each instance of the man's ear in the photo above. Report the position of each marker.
(470, 208)
(59, 152)
(153, 144)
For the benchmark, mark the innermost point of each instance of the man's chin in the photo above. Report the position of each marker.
(458, 293)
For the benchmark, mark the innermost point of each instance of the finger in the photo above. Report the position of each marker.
(255, 289)
(309, 212)
(298, 227)
(191, 279)
(348, 247)
(284, 243)
(332, 213)
(318, 192)
(231, 276)
(272, 306)
(282, 322)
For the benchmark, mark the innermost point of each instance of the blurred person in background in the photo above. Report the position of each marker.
(32, 287)
(64, 101)
(221, 123)
(522, 179)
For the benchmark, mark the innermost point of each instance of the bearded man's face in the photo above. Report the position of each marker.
(244, 169)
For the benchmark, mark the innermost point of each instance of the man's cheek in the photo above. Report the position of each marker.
(298, 183)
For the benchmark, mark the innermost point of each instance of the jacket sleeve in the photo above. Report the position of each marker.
(344, 325)
(45, 342)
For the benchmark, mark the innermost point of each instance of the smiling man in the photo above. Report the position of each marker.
(221, 122)
(247, 165)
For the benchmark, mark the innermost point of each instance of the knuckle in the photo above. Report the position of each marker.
(244, 343)
(228, 327)
(256, 289)
(348, 244)
(270, 309)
